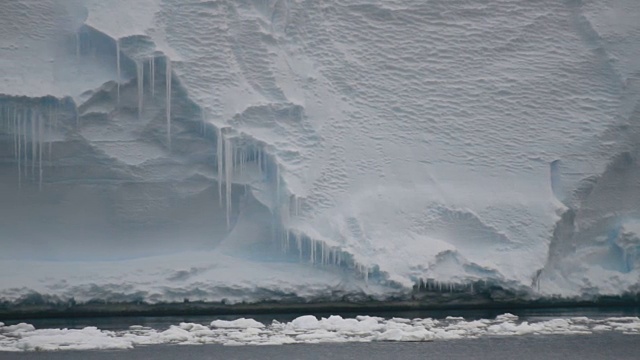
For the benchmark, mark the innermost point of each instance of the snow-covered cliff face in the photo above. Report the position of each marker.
(258, 148)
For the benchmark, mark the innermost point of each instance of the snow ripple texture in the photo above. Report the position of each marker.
(304, 329)
(439, 140)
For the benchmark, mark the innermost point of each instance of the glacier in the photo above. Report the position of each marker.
(292, 150)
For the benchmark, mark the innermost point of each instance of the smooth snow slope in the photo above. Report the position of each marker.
(444, 141)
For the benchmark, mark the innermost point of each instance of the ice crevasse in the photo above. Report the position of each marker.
(280, 149)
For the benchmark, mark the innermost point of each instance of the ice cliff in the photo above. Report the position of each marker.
(275, 149)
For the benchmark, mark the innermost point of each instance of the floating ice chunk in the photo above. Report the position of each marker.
(241, 323)
(506, 317)
(279, 340)
(624, 319)
(175, 334)
(305, 322)
(471, 328)
(18, 328)
(626, 327)
(400, 320)
(304, 329)
(74, 339)
(321, 335)
(416, 334)
(601, 328)
(138, 327)
(367, 317)
(427, 323)
(391, 335)
(191, 327)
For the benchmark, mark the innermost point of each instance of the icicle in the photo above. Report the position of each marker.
(140, 77)
(33, 143)
(298, 245)
(204, 121)
(277, 186)
(118, 70)
(244, 159)
(219, 158)
(50, 130)
(19, 155)
(15, 132)
(24, 142)
(286, 242)
(152, 76)
(78, 45)
(236, 154)
(39, 117)
(312, 255)
(168, 100)
(228, 162)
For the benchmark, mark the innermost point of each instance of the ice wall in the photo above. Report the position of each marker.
(392, 143)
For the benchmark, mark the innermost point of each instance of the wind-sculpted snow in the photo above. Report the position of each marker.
(304, 329)
(388, 143)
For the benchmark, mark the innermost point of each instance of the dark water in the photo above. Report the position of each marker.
(565, 347)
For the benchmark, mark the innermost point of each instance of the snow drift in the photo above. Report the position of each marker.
(322, 147)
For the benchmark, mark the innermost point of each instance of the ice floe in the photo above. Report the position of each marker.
(304, 329)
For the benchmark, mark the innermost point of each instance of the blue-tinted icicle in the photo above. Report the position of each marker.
(32, 118)
(40, 141)
(118, 70)
(219, 145)
(228, 163)
(152, 76)
(168, 99)
(140, 78)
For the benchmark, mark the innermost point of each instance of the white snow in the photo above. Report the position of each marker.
(197, 276)
(304, 329)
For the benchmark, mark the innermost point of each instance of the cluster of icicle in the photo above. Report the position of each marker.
(433, 285)
(232, 159)
(31, 127)
(140, 68)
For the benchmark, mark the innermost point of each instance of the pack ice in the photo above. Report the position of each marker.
(278, 149)
(305, 329)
